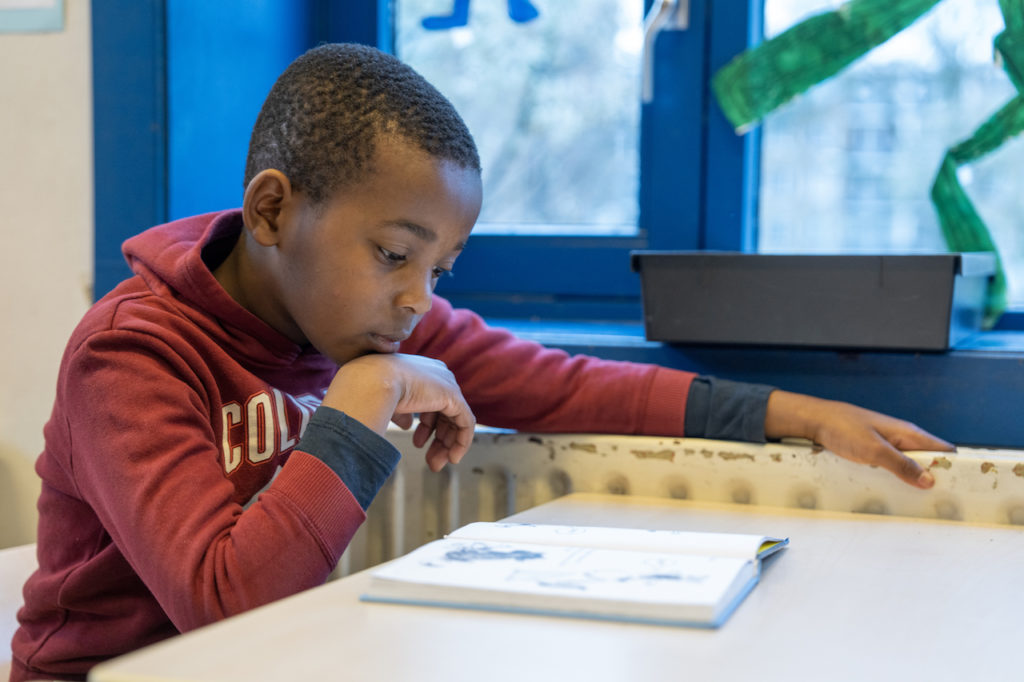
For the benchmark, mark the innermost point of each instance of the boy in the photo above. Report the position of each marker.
(287, 335)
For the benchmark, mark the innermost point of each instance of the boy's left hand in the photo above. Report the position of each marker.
(853, 433)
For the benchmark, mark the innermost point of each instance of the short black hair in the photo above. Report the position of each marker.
(321, 121)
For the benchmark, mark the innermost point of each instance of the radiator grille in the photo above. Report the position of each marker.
(508, 472)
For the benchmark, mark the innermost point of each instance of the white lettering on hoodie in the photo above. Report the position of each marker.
(260, 429)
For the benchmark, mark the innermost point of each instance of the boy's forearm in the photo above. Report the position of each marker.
(792, 415)
(726, 410)
(362, 459)
(365, 393)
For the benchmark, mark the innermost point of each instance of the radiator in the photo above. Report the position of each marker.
(505, 472)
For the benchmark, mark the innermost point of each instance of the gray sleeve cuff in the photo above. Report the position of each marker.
(726, 410)
(362, 459)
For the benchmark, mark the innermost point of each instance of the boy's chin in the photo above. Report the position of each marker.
(344, 358)
(346, 355)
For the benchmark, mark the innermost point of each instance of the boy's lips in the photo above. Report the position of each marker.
(387, 343)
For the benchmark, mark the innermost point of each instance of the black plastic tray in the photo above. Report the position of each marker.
(902, 302)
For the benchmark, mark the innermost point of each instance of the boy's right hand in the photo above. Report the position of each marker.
(854, 433)
(374, 389)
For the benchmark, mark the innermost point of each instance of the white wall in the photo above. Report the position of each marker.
(46, 195)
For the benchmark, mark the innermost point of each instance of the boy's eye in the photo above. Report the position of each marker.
(391, 256)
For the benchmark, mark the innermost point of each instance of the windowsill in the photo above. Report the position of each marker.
(577, 333)
(995, 341)
(631, 335)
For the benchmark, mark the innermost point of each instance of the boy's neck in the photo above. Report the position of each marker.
(228, 272)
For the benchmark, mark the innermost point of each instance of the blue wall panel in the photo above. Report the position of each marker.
(222, 59)
(129, 121)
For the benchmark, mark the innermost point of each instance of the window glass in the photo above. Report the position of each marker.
(848, 166)
(551, 92)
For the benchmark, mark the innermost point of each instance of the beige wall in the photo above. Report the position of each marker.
(46, 195)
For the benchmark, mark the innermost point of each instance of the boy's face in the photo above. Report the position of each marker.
(356, 275)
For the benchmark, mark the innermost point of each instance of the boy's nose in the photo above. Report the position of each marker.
(417, 294)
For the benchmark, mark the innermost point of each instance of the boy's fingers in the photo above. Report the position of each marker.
(907, 469)
(439, 454)
(920, 440)
(912, 472)
(423, 430)
(451, 438)
(910, 437)
(436, 457)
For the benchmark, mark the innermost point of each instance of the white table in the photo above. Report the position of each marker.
(854, 597)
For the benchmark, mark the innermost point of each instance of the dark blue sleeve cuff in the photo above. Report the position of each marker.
(362, 459)
(726, 410)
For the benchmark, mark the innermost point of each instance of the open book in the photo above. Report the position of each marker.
(652, 576)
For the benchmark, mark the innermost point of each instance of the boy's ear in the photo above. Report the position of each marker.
(266, 198)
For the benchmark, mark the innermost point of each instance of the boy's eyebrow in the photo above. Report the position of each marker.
(424, 233)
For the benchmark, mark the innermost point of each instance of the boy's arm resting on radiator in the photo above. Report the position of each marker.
(549, 391)
(852, 432)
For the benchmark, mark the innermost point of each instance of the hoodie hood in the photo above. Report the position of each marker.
(165, 256)
(169, 260)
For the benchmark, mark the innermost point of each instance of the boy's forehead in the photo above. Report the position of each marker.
(401, 180)
(388, 148)
(399, 158)
(384, 153)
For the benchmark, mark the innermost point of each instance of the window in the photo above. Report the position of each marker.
(848, 166)
(551, 92)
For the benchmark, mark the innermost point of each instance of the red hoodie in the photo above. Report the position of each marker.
(175, 406)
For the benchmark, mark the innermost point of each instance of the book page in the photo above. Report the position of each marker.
(667, 541)
(625, 584)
